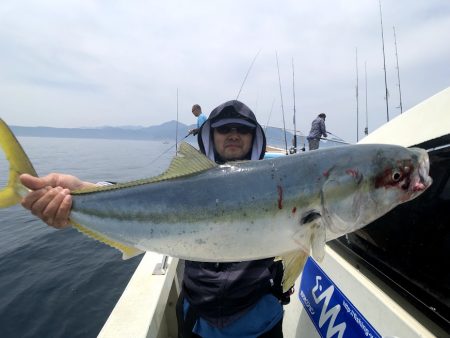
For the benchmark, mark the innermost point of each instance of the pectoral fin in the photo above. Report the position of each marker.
(127, 251)
(311, 236)
(318, 240)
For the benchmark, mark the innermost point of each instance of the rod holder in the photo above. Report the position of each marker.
(161, 268)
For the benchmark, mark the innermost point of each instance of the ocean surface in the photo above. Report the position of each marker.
(60, 283)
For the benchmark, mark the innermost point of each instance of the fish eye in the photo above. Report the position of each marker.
(396, 175)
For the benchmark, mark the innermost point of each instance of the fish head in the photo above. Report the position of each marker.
(373, 181)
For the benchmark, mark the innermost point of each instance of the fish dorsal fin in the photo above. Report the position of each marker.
(189, 161)
(127, 251)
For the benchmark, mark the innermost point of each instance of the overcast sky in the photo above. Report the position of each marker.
(93, 63)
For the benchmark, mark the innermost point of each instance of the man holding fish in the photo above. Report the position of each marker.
(240, 214)
(218, 299)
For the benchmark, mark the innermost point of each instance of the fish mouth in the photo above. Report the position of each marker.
(422, 180)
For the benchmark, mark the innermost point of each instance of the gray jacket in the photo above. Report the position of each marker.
(317, 129)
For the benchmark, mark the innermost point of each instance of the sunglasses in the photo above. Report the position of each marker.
(240, 129)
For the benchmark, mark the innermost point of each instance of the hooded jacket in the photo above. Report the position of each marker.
(231, 109)
(221, 293)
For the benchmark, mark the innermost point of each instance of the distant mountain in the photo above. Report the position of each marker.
(165, 131)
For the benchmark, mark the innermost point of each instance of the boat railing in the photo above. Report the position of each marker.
(147, 306)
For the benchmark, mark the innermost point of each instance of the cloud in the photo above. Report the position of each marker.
(88, 63)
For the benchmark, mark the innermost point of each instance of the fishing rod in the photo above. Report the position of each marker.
(384, 64)
(336, 141)
(340, 138)
(293, 93)
(246, 75)
(176, 139)
(168, 149)
(366, 130)
(282, 107)
(270, 113)
(398, 72)
(357, 98)
(286, 130)
(176, 132)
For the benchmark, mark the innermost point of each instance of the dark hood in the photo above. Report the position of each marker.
(231, 109)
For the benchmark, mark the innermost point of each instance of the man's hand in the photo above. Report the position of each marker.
(193, 131)
(50, 198)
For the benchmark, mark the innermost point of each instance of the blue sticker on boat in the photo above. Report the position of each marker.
(330, 310)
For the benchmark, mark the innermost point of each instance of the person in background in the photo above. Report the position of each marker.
(318, 130)
(201, 118)
(240, 299)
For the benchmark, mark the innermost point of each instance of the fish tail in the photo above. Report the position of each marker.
(19, 163)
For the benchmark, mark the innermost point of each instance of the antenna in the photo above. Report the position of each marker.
(357, 98)
(282, 107)
(398, 72)
(384, 64)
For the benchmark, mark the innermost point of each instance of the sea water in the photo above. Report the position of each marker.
(60, 283)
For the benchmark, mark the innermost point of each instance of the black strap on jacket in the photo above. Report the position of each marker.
(277, 287)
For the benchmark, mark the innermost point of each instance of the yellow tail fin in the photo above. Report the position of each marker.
(19, 163)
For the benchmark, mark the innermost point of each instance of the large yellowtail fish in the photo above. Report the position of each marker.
(198, 210)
